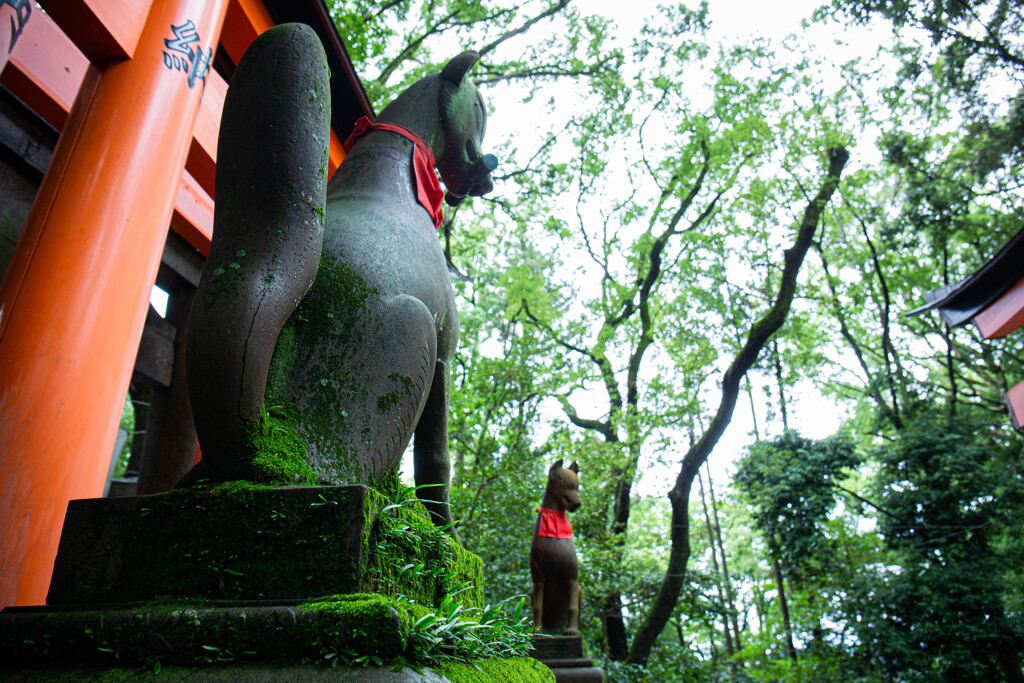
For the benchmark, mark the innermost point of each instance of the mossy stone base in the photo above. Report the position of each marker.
(484, 671)
(244, 542)
(232, 641)
(197, 634)
(287, 672)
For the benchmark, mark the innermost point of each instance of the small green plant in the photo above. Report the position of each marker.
(460, 633)
(351, 658)
(213, 654)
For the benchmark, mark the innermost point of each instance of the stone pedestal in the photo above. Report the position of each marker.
(564, 656)
(243, 542)
(242, 583)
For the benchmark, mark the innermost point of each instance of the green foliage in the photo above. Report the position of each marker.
(791, 484)
(128, 425)
(937, 611)
(420, 562)
(454, 632)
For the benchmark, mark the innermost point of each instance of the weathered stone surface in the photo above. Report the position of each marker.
(244, 542)
(188, 634)
(287, 672)
(564, 656)
(235, 541)
(345, 638)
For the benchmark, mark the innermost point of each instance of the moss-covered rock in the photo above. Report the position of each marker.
(369, 632)
(522, 670)
(243, 541)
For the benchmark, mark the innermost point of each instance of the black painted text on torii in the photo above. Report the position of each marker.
(198, 62)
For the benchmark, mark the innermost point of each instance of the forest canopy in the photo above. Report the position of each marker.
(687, 227)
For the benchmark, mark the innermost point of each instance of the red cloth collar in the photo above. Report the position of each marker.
(554, 524)
(428, 187)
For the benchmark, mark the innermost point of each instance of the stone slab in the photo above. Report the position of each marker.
(198, 634)
(564, 656)
(234, 542)
(581, 674)
(556, 647)
(231, 641)
(287, 672)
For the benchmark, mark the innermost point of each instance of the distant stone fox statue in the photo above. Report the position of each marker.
(553, 564)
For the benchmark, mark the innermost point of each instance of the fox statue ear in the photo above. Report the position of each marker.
(556, 466)
(574, 467)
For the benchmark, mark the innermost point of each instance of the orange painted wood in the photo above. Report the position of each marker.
(202, 154)
(1004, 315)
(44, 70)
(336, 154)
(102, 29)
(245, 20)
(1015, 401)
(193, 214)
(74, 298)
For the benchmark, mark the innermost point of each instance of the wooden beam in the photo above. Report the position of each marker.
(202, 153)
(1004, 315)
(102, 29)
(155, 359)
(245, 20)
(44, 70)
(193, 214)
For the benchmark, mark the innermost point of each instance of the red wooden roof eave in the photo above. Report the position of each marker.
(1003, 315)
(961, 302)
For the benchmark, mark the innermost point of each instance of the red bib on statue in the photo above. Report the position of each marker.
(428, 188)
(554, 524)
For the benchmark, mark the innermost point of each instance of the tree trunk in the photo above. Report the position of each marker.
(783, 605)
(730, 599)
(760, 332)
(782, 388)
(714, 563)
(614, 628)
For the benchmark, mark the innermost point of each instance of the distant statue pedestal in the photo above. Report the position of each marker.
(564, 656)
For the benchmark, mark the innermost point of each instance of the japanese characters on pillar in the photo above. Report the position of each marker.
(178, 54)
(74, 298)
(22, 11)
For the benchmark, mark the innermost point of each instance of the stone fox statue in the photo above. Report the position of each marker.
(553, 564)
(324, 325)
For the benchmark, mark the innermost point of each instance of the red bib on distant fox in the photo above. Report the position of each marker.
(554, 524)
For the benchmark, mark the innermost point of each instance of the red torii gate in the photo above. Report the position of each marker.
(132, 87)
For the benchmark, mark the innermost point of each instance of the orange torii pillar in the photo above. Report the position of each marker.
(74, 299)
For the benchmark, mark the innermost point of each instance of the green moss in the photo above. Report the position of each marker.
(406, 381)
(361, 624)
(388, 400)
(311, 371)
(278, 453)
(388, 486)
(415, 558)
(521, 670)
(281, 364)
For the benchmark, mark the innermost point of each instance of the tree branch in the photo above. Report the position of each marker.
(698, 454)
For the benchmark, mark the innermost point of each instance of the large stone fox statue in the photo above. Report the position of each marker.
(323, 329)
